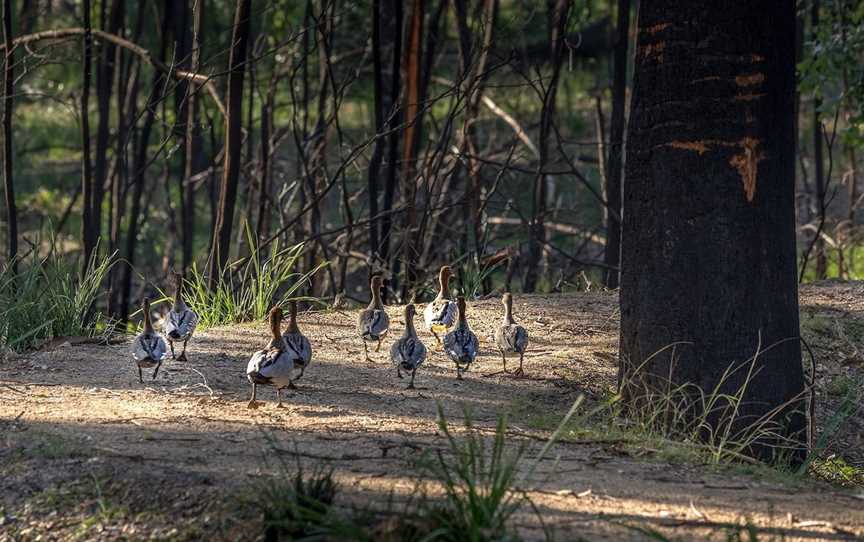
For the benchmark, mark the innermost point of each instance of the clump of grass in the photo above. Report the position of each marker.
(295, 506)
(47, 297)
(250, 287)
(478, 482)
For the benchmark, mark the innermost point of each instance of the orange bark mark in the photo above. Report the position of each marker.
(749, 97)
(750, 79)
(700, 147)
(651, 30)
(747, 164)
(654, 50)
(704, 79)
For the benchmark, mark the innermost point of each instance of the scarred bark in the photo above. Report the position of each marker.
(708, 255)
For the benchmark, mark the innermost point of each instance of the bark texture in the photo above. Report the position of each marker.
(708, 254)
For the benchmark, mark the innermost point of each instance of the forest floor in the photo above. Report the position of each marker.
(86, 452)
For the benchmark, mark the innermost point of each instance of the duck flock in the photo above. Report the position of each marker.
(287, 355)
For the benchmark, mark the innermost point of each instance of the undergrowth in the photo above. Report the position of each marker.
(482, 481)
(249, 287)
(48, 296)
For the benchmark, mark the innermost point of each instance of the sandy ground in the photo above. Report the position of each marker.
(86, 452)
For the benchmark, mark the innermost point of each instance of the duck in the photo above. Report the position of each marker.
(409, 352)
(440, 314)
(297, 343)
(181, 321)
(373, 322)
(510, 337)
(461, 343)
(275, 364)
(148, 349)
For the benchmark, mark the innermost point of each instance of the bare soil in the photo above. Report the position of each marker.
(86, 452)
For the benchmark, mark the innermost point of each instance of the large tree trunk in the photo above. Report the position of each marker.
(89, 226)
(708, 254)
(233, 142)
(614, 168)
(8, 90)
(378, 111)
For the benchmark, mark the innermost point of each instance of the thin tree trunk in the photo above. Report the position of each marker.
(395, 119)
(537, 239)
(104, 84)
(89, 226)
(194, 139)
(140, 177)
(708, 282)
(819, 168)
(614, 165)
(378, 150)
(8, 183)
(233, 142)
(411, 140)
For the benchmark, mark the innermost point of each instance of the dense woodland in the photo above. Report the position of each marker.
(386, 136)
(696, 161)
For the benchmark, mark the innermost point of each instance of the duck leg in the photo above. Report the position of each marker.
(437, 338)
(411, 384)
(171, 345)
(503, 359)
(366, 351)
(398, 372)
(156, 372)
(279, 398)
(458, 372)
(182, 356)
(252, 402)
(140, 376)
(378, 347)
(519, 371)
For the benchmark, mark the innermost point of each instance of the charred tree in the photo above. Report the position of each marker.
(8, 91)
(614, 169)
(233, 142)
(708, 244)
(378, 111)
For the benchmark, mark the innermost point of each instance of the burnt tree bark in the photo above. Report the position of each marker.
(8, 90)
(614, 164)
(233, 142)
(708, 253)
(378, 111)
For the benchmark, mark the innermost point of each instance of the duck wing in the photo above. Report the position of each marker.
(149, 346)
(181, 325)
(373, 324)
(270, 366)
(461, 345)
(299, 349)
(408, 352)
(440, 312)
(512, 337)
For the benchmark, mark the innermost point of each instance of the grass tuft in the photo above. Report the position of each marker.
(250, 287)
(47, 298)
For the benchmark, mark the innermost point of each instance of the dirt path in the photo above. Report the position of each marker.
(88, 452)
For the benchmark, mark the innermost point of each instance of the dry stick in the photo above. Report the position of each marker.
(144, 54)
